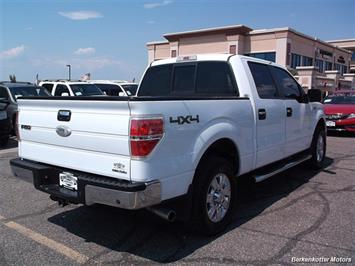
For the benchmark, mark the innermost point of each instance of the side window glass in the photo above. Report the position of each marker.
(48, 86)
(3, 93)
(60, 90)
(215, 78)
(288, 86)
(184, 79)
(264, 83)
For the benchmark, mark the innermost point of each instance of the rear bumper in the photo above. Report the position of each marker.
(91, 188)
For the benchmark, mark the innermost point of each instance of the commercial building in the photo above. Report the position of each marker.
(316, 63)
(348, 44)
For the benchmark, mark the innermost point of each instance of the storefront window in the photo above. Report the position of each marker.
(295, 60)
(328, 65)
(320, 65)
(307, 61)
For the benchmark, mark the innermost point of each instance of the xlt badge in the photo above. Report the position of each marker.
(119, 168)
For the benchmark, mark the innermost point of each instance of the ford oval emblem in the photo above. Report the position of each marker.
(63, 131)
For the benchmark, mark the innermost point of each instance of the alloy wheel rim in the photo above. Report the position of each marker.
(218, 197)
(320, 148)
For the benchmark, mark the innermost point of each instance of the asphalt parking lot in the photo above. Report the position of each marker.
(297, 214)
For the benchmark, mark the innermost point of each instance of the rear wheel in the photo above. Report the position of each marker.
(213, 195)
(318, 149)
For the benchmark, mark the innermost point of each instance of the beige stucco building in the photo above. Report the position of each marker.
(319, 64)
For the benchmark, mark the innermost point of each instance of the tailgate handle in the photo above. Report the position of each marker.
(64, 115)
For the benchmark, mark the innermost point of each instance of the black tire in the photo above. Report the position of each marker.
(212, 168)
(4, 141)
(317, 159)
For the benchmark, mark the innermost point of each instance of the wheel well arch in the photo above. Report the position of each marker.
(225, 148)
(320, 125)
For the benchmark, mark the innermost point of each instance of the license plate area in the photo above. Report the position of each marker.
(68, 181)
(330, 123)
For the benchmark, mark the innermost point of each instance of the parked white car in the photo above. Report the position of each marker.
(116, 87)
(197, 124)
(70, 88)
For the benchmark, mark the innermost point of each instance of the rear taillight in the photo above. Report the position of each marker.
(145, 133)
(16, 126)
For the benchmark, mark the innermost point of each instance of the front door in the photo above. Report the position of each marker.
(297, 112)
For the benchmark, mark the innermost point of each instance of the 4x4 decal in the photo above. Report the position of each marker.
(185, 119)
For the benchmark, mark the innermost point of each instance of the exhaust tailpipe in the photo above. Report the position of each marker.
(164, 213)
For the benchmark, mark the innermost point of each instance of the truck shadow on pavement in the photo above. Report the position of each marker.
(140, 235)
(11, 144)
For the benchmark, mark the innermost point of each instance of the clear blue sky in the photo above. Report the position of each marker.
(108, 38)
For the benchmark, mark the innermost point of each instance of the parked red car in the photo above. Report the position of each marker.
(340, 111)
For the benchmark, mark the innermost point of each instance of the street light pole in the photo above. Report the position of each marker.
(69, 69)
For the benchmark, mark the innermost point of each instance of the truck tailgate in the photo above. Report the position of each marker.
(94, 140)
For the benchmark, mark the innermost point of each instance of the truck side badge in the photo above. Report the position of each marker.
(119, 168)
(180, 120)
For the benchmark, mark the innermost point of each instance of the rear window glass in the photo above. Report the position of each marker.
(110, 89)
(156, 81)
(85, 90)
(28, 91)
(215, 78)
(188, 79)
(184, 79)
(130, 89)
(48, 86)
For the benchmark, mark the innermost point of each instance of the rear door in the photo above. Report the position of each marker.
(297, 112)
(89, 135)
(270, 116)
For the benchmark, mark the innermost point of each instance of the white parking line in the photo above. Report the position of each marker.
(43, 240)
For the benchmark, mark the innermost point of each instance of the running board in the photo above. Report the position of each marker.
(259, 178)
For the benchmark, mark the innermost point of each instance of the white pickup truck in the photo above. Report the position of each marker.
(197, 123)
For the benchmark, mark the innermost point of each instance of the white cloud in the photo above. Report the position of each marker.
(13, 52)
(151, 22)
(157, 4)
(81, 15)
(29, 28)
(85, 51)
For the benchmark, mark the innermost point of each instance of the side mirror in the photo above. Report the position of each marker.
(64, 94)
(315, 95)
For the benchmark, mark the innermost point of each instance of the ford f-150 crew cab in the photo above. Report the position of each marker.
(196, 124)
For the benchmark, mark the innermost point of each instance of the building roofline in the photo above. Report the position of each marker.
(175, 35)
(244, 30)
(262, 31)
(342, 40)
(157, 42)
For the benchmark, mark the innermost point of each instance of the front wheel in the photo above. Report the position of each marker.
(213, 195)
(318, 149)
